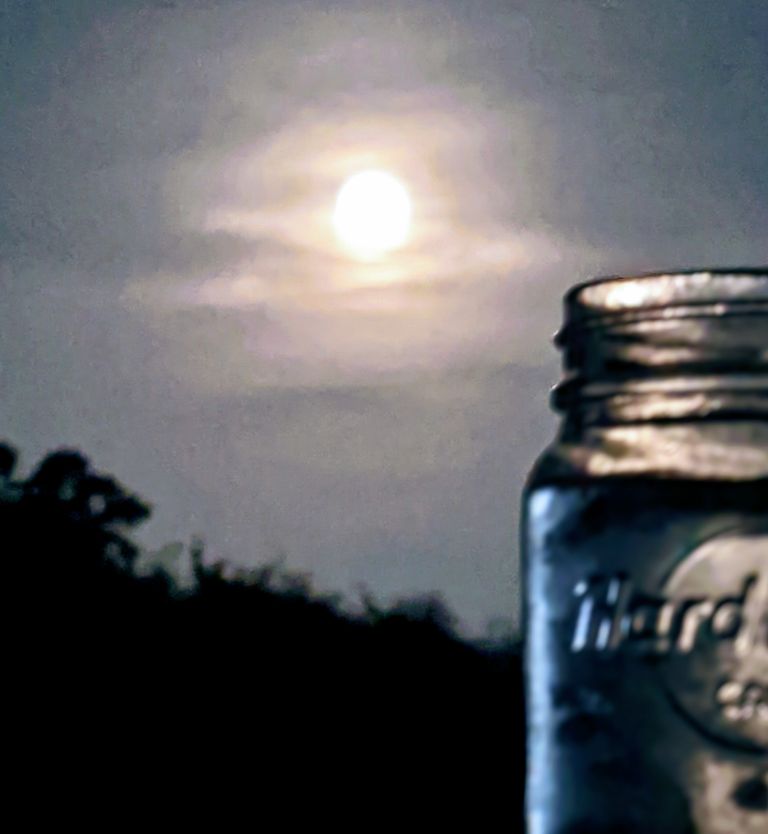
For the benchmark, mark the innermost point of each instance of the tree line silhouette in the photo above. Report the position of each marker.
(249, 692)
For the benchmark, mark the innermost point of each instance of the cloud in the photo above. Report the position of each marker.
(258, 217)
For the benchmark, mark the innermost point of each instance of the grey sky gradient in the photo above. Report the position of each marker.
(173, 302)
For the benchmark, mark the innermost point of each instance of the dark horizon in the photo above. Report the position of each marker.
(133, 693)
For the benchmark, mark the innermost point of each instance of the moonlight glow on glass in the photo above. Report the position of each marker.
(372, 214)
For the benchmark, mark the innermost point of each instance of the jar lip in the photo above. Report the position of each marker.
(677, 345)
(619, 295)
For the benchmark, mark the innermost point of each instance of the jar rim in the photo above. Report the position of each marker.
(721, 290)
(632, 343)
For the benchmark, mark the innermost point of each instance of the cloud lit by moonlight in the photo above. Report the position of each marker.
(350, 246)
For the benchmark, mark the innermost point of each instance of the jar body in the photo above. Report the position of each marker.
(641, 715)
(645, 561)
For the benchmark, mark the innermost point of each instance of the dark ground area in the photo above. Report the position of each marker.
(251, 698)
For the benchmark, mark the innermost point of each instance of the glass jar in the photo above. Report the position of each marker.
(645, 547)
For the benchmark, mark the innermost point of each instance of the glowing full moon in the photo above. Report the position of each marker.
(372, 214)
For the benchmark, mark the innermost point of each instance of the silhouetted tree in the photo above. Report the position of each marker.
(250, 680)
(7, 461)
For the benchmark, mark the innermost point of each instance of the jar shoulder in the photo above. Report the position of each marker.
(725, 451)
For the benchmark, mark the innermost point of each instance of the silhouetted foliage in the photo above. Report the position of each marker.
(249, 688)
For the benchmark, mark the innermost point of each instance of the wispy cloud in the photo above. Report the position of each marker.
(306, 311)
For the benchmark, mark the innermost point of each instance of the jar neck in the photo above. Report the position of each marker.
(677, 362)
(676, 400)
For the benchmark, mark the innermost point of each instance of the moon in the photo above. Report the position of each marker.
(372, 216)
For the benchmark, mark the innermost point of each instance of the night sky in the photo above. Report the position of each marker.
(174, 302)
